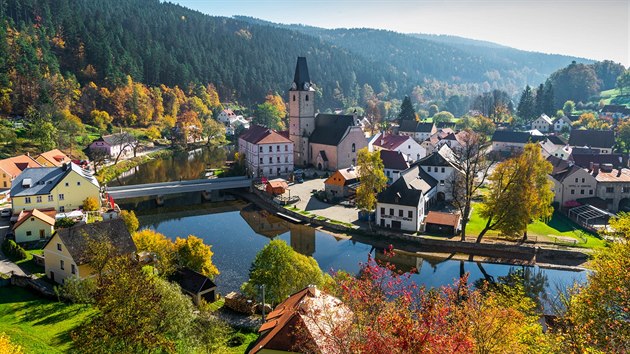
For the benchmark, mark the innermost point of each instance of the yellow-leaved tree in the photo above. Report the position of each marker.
(163, 248)
(193, 253)
(8, 347)
(372, 178)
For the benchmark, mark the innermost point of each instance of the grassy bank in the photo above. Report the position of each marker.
(36, 324)
(106, 174)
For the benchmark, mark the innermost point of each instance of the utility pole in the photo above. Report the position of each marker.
(263, 302)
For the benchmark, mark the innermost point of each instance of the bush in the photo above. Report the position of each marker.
(14, 251)
(236, 340)
(64, 223)
(90, 204)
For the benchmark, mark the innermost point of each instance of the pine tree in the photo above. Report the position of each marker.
(406, 110)
(548, 100)
(526, 106)
(540, 101)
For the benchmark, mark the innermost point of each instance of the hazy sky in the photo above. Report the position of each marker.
(596, 29)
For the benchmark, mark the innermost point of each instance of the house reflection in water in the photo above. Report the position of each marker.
(266, 224)
(404, 261)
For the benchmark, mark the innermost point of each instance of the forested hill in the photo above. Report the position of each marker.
(161, 43)
(445, 58)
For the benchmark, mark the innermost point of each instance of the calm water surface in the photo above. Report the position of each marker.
(237, 235)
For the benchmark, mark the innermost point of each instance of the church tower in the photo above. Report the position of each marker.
(301, 113)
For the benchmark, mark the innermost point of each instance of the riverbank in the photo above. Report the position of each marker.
(494, 252)
(111, 172)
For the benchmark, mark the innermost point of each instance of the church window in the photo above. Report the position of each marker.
(354, 147)
(307, 97)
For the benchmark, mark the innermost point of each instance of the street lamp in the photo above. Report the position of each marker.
(263, 302)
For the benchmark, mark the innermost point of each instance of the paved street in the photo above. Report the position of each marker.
(7, 266)
(311, 204)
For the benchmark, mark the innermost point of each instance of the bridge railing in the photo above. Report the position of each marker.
(181, 183)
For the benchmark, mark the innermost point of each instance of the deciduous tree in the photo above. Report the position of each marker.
(372, 178)
(130, 219)
(191, 252)
(162, 247)
(269, 116)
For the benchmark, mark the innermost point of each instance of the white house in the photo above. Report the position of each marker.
(440, 165)
(604, 140)
(554, 146)
(402, 205)
(115, 144)
(226, 116)
(509, 142)
(394, 162)
(406, 145)
(419, 131)
(561, 122)
(543, 123)
(268, 153)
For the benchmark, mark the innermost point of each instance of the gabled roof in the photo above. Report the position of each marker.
(55, 157)
(42, 180)
(507, 136)
(257, 134)
(278, 183)
(416, 127)
(350, 175)
(409, 188)
(393, 160)
(615, 108)
(117, 139)
(442, 157)
(545, 118)
(592, 138)
(562, 168)
(192, 281)
(330, 129)
(565, 118)
(13, 166)
(556, 140)
(76, 239)
(585, 160)
(390, 141)
(309, 311)
(47, 216)
(439, 218)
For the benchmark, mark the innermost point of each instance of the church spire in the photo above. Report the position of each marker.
(301, 79)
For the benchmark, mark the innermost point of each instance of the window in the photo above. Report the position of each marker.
(61, 264)
(610, 189)
(429, 169)
(28, 233)
(286, 148)
(67, 184)
(261, 161)
(27, 200)
(408, 146)
(270, 148)
(382, 211)
(260, 148)
(581, 191)
(354, 148)
(443, 169)
(42, 234)
(387, 173)
(293, 98)
(38, 198)
(286, 170)
(307, 97)
(441, 182)
(278, 170)
(50, 198)
(391, 211)
(583, 180)
(270, 159)
(59, 247)
(73, 269)
(410, 214)
(277, 147)
(572, 191)
(576, 180)
(590, 192)
(625, 190)
(78, 183)
(286, 159)
(61, 197)
(400, 213)
(278, 159)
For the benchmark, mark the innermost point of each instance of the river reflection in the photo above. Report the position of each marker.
(237, 231)
(183, 165)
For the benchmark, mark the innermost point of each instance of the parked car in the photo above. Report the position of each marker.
(5, 213)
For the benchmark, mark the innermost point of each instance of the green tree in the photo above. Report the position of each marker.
(526, 109)
(148, 240)
(623, 81)
(282, 271)
(100, 119)
(433, 109)
(407, 112)
(372, 178)
(519, 193)
(269, 116)
(623, 135)
(130, 219)
(568, 107)
(577, 82)
(443, 117)
(214, 132)
(90, 204)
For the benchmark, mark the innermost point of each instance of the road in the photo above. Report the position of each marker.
(6, 266)
(155, 189)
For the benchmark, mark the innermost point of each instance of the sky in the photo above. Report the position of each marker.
(595, 29)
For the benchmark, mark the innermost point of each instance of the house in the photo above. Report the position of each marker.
(326, 141)
(52, 158)
(34, 225)
(402, 205)
(226, 116)
(114, 145)
(571, 182)
(394, 162)
(555, 146)
(12, 167)
(196, 285)
(543, 123)
(506, 142)
(419, 131)
(441, 165)
(342, 183)
(235, 124)
(267, 152)
(432, 143)
(586, 157)
(614, 111)
(562, 123)
(67, 253)
(306, 319)
(613, 186)
(276, 186)
(604, 140)
(442, 223)
(411, 149)
(455, 141)
(62, 188)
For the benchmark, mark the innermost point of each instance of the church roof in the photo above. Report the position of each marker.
(301, 76)
(330, 128)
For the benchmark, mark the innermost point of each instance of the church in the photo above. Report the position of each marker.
(325, 141)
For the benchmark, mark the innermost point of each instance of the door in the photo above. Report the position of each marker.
(382, 222)
(396, 225)
(42, 234)
(52, 275)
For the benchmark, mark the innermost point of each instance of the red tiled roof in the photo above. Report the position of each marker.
(56, 157)
(261, 135)
(390, 142)
(438, 218)
(394, 160)
(13, 166)
(47, 216)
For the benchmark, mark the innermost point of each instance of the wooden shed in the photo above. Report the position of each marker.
(196, 285)
(276, 186)
(442, 223)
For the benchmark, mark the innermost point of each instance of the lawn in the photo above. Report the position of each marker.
(250, 338)
(36, 324)
(559, 230)
(29, 265)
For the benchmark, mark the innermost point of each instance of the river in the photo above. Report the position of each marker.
(237, 231)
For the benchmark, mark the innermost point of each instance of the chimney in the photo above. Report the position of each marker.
(590, 166)
(595, 169)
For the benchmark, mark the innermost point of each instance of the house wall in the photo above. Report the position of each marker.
(74, 193)
(281, 155)
(507, 147)
(443, 174)
(53, 258)
(578, 185)
(331, 154)
(384, 216)
(33, 226)
(5, 179)
(346, 157)
(620, 190)
(392, 175)
(541, 125)
(301, 123)
(412, 150)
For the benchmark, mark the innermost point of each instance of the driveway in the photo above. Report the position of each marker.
(6, 266)
(309, 203)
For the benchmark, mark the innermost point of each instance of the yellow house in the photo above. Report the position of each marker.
(34, 225)
(66, 254)
(52, 158)
(62, 188)
(12, 167)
